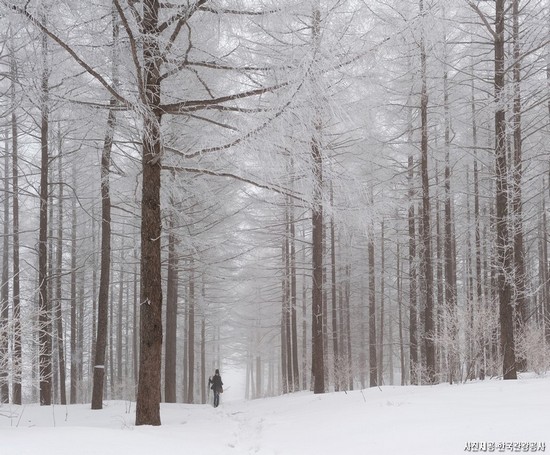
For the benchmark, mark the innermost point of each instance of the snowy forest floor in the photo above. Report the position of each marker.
(421, 420)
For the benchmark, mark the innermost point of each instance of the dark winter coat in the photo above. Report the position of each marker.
(217, 384)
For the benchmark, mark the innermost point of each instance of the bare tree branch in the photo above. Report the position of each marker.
(71, 52)
(194, 105)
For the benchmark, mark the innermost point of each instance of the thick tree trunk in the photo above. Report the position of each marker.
(148, 395)
(503, 241)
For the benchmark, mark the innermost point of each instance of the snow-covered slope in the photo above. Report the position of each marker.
(440, 420)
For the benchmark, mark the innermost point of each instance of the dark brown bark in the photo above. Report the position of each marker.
(520, 275)
(334, 311)
(317, 315)
(413, 274)
(120, 311)
(399, 275)
(170, 352)
(203, 357)
(148, 394)
(317, 360)
(44, 307)
(381, 339)
(304, 320)
(373, 363)
(191, 333)
(105, 272)
(427, 268)
(503, 241)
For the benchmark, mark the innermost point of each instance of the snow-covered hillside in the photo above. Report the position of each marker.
(436, 420)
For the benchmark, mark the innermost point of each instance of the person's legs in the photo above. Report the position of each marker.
(216, 399)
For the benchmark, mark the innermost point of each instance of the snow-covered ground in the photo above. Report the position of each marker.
(424, 420)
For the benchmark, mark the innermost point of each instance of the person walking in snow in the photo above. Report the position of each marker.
(216, 385)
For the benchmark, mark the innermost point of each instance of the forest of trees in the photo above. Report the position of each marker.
(331, 194)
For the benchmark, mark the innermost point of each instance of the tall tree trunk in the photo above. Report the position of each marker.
(373, 363)
(4, 295)
(304, 319)
(170, 360)
(293, 301)
(73, 297)
(427, 268)
(59, 271)
(347, 300)
(413, 275)
(382, 301)
(148, 394)
(503, 241)
(317, 329)
(399, 275)
(120, 311)
(520, 275)
(544, 284)
(203, 356)
(44, 307)
(477, 230)
(105, 272)
(17, 348)
(334, 312)
(450, 264)
(191, 333)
